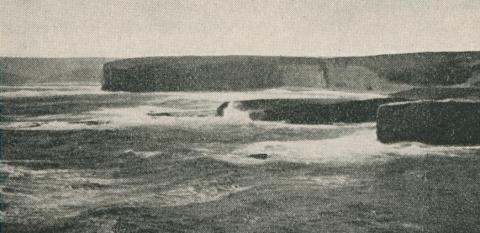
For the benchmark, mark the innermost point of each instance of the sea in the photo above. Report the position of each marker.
(76, 158)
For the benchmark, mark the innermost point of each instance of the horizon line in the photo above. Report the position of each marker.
(239, 55)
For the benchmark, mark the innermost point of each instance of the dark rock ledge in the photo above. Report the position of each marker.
(439, 122)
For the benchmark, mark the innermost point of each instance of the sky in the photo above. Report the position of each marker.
(135, 28)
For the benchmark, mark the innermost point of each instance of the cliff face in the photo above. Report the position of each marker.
(439, 68)
(383, 72)
(433, 122)
(19, 71)
(204, 73)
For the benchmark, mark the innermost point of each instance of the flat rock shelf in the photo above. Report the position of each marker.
(310, 111)
(447, 122)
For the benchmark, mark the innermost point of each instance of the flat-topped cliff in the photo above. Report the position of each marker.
(207, 73)
(21, 71)
(382, 72)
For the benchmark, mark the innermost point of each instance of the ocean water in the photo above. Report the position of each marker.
(78, 159)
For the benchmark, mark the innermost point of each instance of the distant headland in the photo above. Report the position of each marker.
(236, 73)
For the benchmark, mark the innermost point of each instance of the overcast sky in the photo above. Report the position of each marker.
(132, 28)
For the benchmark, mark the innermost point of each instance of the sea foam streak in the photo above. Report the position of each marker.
(58, 90)
(54, 90)
(359, 147)
(272, 94)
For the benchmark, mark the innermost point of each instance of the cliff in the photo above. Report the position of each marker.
(19, 71)
(430, 68)
(203, 73)
(382, 72)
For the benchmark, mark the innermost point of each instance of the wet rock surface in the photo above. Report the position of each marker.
(432, 122)
(259, 156)
(311, 111)
(158, 114)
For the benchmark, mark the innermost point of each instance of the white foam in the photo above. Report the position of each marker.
(450, 100)
(192, 109)
(328, 181)
(35, 91)
(192, 194)
(142, 154)
(54, 174)
(50, 125)
(271, 94)
(80, 89)
(112, 118)
(233, 113)
(138, 116)
(284, 125)
(358, 147)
